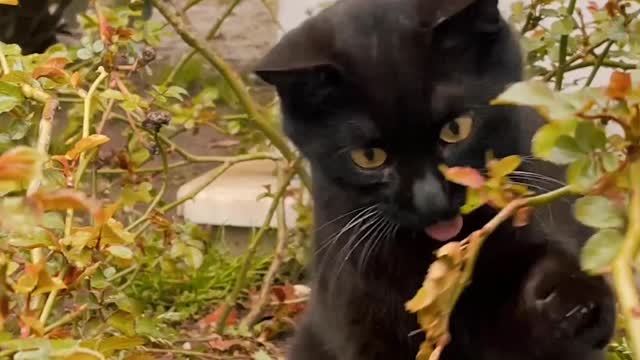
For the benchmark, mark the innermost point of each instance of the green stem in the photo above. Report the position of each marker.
(598, 64)
(163, 188)
(564, 43)
(622, 269)
(237, 85)
(66, 319)
(241, 279)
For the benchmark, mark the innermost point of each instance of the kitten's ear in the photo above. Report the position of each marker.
(476, 15)
(302, 51)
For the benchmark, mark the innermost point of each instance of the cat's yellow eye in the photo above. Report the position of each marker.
(457, 130)
(369, 158)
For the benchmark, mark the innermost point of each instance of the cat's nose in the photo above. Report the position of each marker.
(431, 198)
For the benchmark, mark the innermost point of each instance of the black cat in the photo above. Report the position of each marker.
(378, 93)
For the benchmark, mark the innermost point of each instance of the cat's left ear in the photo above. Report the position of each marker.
(303, 51)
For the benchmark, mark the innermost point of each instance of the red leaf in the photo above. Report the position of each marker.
(52, 69)
(465, 176)
(213, 318)
(619, 85)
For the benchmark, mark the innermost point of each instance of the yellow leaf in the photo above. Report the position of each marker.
(19, 164)
(29, 278)
(86, 144)
(9, 2)
(114, 233)
(48, 284)
(67, 199)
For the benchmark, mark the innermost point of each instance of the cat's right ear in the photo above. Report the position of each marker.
(300, 54)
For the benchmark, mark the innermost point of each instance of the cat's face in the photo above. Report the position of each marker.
(378, 93)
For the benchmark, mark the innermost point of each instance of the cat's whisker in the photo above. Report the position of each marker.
(538, 176)
(363, 215)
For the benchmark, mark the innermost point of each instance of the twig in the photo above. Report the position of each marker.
(210, 178)
(259, 120)
(598, 63)
(251, 251)
(211, 35)
(197, 158)
(564, 43)
(66, 318)
(622, 269)
(144, 170)
(278, 256)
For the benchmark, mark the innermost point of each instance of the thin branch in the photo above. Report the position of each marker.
(86, 123)
(598, 63)
(622, 269)
(258, 119)
(564, 43)
(278, 257)
(163, 188)
(211, 35)
(241, 278)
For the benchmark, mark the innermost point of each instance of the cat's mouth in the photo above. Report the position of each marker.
(445, 230)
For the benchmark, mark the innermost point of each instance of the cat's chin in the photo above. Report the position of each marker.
(445, 230)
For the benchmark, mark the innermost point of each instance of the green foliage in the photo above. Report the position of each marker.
(94, 262)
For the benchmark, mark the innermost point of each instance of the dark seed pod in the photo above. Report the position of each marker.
(148, 55)
(156, 120)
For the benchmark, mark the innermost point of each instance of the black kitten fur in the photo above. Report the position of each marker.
(389, 74)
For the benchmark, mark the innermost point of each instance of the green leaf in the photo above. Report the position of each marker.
(598, 212)
(110, 345)
(582, 174)
(11, 49)
(601, 249)
(610, 161)
(589, 137)
(84, 54)
(545, 139)
(537, 94)
(10, 96)
(123, 322)
(140, 194)
(112, 94)
(261, 355)
(121, 252)
(566, 151)
(139, 156)
(176, 92)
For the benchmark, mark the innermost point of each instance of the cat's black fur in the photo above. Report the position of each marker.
(390, 74)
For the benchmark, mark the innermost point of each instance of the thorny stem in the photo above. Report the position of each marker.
(86, 123)
(475, 241)
(163, 188)
(564, 43)
(278, 256)
(241, 279)
(258, 119)
(622, 269)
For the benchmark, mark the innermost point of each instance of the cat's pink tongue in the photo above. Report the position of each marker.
(445, 230)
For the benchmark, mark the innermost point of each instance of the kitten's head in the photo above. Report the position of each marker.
(378, 93)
